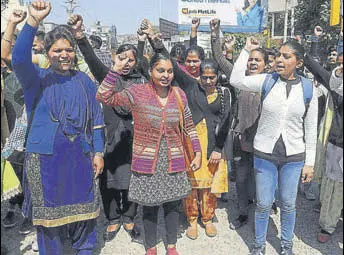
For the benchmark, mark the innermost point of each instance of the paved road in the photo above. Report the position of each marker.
(227, 242)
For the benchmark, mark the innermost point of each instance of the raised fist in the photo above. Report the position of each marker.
(318, 31)
(215, 25)
(252, 44)
(141, 36)
(38, 10)
(147, 28)
(229, 41)
(17, 16)
(76, 23)
(195, 23)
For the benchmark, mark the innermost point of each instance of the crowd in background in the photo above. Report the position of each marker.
(85, 127)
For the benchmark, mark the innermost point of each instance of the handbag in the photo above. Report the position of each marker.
(186, 140)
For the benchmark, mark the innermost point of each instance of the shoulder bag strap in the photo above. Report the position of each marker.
(181, 109)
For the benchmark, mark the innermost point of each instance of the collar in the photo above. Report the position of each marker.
(297, 80)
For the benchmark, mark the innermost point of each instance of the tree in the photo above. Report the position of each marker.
(309, 14)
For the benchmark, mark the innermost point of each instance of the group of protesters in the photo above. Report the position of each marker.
(95, 128)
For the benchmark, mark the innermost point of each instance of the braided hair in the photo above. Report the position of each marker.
(222, 101)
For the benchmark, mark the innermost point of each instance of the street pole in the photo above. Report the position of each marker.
(71, 5)
(292, 22)
(273, 25)
(286, 20)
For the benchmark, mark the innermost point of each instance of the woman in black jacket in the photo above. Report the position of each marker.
(114, 183)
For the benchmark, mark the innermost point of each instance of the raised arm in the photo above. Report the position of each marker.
(27, 73)
(194, 29)
(319, 72)
(144, 65)
(239, 79)
(16, 17)
(98, 69)
(154, 39)
(224, 64)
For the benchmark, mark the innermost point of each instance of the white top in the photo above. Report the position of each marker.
(336, 83)
(281, 115)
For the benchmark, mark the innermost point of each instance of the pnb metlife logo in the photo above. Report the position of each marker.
(187, 11)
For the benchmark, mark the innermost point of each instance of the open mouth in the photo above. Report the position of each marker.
(164, 82)
(279, 68)
(65, 62)
(253, 68)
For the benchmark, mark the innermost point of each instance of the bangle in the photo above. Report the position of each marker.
(6, 40)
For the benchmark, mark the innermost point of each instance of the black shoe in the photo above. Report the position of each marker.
(258, 251)
(239, 222)
(250, 201)
(286, 251)
(109, 236)
(317, 208)
(232, 176)
(274, 209)
(134, 233)
(10, 220)
(26, 227)
(224, 197)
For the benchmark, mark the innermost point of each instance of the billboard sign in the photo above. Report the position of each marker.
(235, 15)
(279, 5)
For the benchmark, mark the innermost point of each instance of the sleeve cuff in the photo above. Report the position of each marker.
(218, 149)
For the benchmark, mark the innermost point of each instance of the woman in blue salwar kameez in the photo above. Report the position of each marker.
(65, 142)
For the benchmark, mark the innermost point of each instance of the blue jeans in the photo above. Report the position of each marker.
(268, 177)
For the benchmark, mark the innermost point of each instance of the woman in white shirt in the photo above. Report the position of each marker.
(285, 143)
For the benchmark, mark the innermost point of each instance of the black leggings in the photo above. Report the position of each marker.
(118, 209)
(150, 222)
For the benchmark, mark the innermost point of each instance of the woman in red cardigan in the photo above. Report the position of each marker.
(158, 163)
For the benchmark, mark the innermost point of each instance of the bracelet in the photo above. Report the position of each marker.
(6, 40)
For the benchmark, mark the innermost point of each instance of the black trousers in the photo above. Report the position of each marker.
(18, 199)
(150, 223)
(118, 209)
(245, 181)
